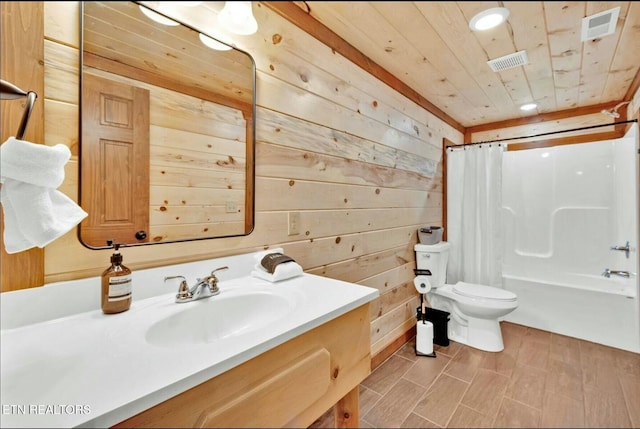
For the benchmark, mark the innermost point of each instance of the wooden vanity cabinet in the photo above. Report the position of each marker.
(290, 385)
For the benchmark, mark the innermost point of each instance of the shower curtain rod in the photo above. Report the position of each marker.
(544, 134)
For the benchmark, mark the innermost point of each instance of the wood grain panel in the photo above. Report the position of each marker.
(276, 161)
(406, 312)
(284, 392)
(369, 268)
(624, 66)
(328, 37)
(495, 44)
(355, 18)
(62, 73)
(337, 195)
(21, 44)
(529, 33)
(299, 58)
(416, 28)
(418, 155)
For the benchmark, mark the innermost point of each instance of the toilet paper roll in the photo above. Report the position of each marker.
(424, 337)
(422, 284)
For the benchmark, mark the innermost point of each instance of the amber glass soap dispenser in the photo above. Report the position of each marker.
(116, 284)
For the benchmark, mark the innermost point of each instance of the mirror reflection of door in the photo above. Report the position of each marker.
(115, 143)
(200, 132)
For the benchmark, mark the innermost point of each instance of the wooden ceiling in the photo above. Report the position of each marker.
(429, 47)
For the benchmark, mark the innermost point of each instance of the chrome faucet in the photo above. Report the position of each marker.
(608, 273)
(204, 288)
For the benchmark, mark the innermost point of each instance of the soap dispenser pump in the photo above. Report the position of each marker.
(116, 284)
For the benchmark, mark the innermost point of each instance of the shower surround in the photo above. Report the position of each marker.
(564, 208)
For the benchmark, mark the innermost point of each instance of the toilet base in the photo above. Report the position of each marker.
(482, 334)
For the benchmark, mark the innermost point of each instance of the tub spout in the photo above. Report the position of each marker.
(608, 273)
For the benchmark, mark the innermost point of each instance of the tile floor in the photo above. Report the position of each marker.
(540, 379)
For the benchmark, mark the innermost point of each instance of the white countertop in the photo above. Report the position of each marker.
(95, 370)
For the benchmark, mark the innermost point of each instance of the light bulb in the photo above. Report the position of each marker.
(213, 43)
(237, 17)
(155, 16)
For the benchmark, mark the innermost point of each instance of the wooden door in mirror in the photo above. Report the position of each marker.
(193, 155)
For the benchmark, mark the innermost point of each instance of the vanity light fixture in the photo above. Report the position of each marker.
(160, 19)
(237, 18)
(528, 106)
(489, 18)
(213, 43)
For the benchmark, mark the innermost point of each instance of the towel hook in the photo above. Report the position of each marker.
(9, 91)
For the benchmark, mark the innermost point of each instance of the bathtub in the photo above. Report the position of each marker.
(593, 308)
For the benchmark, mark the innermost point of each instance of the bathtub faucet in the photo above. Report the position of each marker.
(607, 273)
(626, 249)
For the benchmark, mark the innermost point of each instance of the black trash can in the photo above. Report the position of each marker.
(440, 320)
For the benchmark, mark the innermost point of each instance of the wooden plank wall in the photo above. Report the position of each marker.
(22, 65)
(357, 160)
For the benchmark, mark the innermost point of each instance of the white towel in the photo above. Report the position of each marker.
(37, 164)
(283, 271)
(35, 213)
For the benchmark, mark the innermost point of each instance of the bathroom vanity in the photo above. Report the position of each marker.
(290, 385)
(259, 354)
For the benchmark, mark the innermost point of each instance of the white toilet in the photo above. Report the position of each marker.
(475, 310)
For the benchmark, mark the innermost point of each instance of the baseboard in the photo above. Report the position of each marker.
(392, 347)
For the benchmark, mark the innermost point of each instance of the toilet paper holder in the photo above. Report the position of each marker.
(426, 343)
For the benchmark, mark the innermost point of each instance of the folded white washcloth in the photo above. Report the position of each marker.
(283, 271)
(259, 255)
(36, 164)
(35, 213)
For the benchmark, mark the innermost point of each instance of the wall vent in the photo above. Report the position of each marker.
(509, 61)
(600, 24)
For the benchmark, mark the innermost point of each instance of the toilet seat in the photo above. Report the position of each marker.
(472, 290)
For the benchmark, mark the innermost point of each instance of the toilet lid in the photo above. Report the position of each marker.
(472, 290)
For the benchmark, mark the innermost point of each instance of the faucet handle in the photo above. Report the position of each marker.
(212, 280)
(183, 290)
(219, 269)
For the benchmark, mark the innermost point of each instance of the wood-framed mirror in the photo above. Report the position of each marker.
(167, 130)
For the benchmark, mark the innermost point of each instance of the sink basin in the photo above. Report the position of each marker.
(221, 316)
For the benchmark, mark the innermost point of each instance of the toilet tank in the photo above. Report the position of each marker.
(433, 258)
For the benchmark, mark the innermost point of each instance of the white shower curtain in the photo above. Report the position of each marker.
(474, 204)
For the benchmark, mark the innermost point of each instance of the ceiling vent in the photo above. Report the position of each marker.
(600, 24)
(509, 61)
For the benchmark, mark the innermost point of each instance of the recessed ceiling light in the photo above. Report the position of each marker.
(489, 18)
(528, 106)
